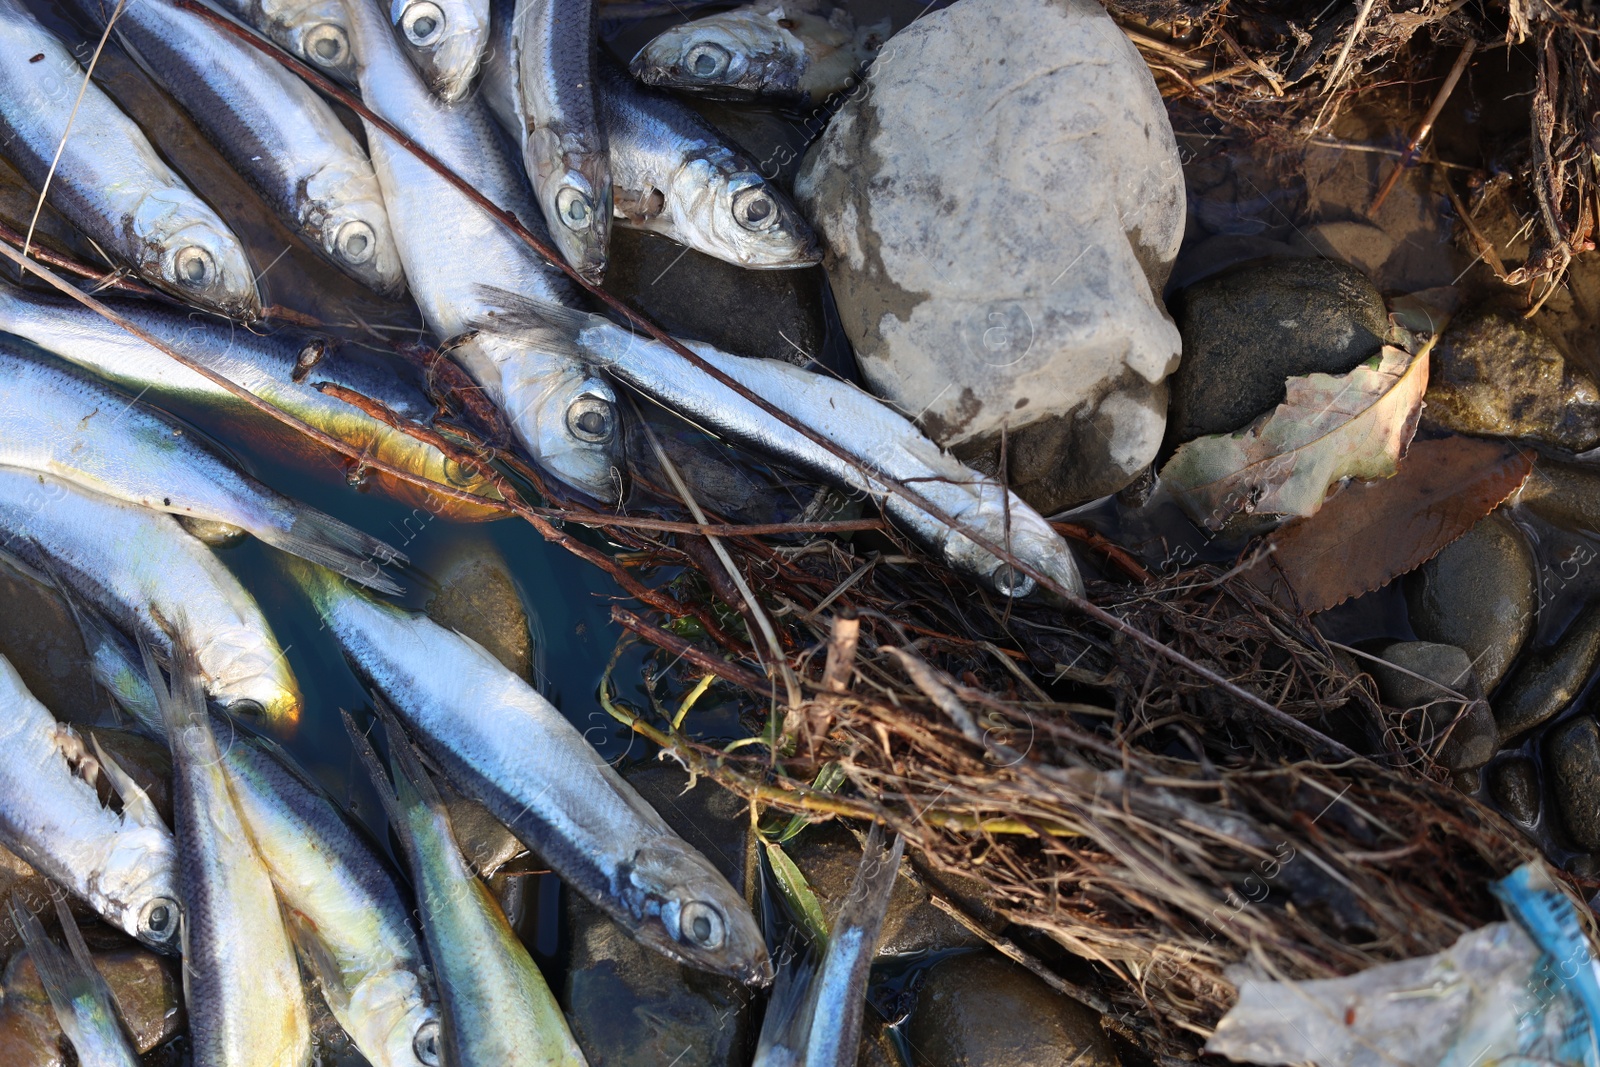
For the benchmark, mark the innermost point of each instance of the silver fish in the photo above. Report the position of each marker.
(498, 1010)
(445, 39)
(791, 50)
(61, 423)
(79, 996)
(502, 743)
(671, 172)
(241, 983)
(881, 440)
(312, 30)
(345, 906)
(560, 411)
(109, 181)
(284, 368)
(122, 864)
(814, 1016)
(275, 131)
(139, 569)
(562, 133)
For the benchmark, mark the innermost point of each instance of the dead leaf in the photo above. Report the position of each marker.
(1369, 535)
(1330, 427)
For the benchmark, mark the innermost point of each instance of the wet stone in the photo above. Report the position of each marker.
(147, 988)
(628, 1005)
(147, 762)
(39, 637)
(18, 877)
(1478, 594)
(1572, 754)
(829, 855)
(1443, 669)
(723, 478)
(1546, 683)
(1248, 329)
(29, 1036)
(484, 840)
(772, 313)
(477, 597)
(1514, 786)
(1498, 375)
(985, 1011)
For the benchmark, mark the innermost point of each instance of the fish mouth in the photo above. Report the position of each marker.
(578, 206)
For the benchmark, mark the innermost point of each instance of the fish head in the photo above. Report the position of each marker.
(395, 1025)
(740, 54)
(317, 32)
(139, 884)
(576, 197)
(689, 912)
(192, 254)
(1009, 522)
(568, 421)
(739, 217)
(253, 684)
(354, 226)
(445, 41)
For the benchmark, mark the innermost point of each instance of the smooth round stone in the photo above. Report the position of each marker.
(985, 1011)
(1514, 786)
(1572, 755)
(477, 597)
(1478, 594)
(1474, 737)
(1248, 329)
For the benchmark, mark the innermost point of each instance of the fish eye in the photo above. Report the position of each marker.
(458, 473)
(426, 1043)
(247, 709)
(423, 23)
(356, 242)
(327, 44)
(701, 924)
(194, 267)
(159, 919)
(754, 209)
(591, 419)
(573, 207)
(707, 60)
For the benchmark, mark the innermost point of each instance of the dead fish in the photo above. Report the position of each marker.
(790, 50)
(498, 1009)
(108, 180)
(123, 863)
(241, 981)
(503, 744)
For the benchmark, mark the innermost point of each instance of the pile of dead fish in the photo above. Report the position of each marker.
(105, 497)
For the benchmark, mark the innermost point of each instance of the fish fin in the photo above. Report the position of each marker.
(868, 900)
(786, 1026)
(182, 699)
(338, 546)
(319, 961)
(388, 795)
(136, 803)
(66, 977)
(412, 782)
(546, 326)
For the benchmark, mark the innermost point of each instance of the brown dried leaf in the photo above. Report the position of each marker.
(1368, 535)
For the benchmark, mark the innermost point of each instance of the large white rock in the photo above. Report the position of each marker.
(1003, 201)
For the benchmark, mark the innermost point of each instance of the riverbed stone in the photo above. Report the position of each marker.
(1248, 329)
(1496, 374)
(478, 597)
(985, 1011)
(998, 259)
(1443, 670)
(829, 855)
(1514, 787)
(147, 988)
(1572, 754)
(1478, 594)
(629, 1006)
(1548, 681)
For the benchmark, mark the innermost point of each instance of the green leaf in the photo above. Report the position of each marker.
(828, 780)
(798, 893)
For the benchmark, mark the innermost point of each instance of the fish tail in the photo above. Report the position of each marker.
(66, 977)
(543, 325)
(868, 900)
(338, 546)
(786, 1025)
(389, 793)
(113, 661)
(183, 705)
